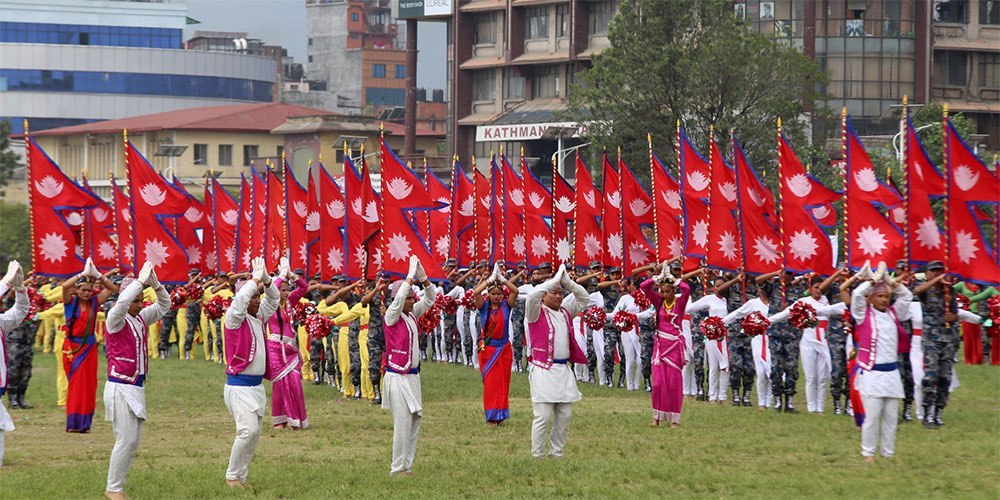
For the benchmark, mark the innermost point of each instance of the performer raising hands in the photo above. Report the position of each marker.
(14, 279)
(668, 345)
(495, 353)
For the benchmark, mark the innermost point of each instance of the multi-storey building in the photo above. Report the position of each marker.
(67, 62)
(512, 64)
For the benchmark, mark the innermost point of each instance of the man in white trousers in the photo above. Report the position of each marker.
(630, 338)
(10, 319)
(401, 384)
(551, 347)
(246, 366)
(758, 344)
(716, 351)
(126, 331)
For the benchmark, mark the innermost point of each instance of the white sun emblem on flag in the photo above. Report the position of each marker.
(230, 255)
(487, 244)
(49, 187)
(539, 245)
(335, 259)
(471, 248)
(615, 246)
(304, 252)
(377, 258)
(246, 258)
(193, 254)
(360, 254)
(637, 254)
(275, 253)
(210, 260)
(519, 244)
(676, 247)
(727, 245)
(442, 245)
(766, 250)
(967, 246)
(152, 194)
(871, 241)
(700, 233)
(563, 250)
(592, 246)
(927, 233)
(803, 245)
(155, 252)
(106, 250)
(399, 247)
(312, 222)
(615, 199)
(799, 184)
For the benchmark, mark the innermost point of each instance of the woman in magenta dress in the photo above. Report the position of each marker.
(288, 406)
(495, 353)
(668, 345)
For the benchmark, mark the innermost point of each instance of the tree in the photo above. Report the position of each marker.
(8, 160)
(15, 231)
(693, 60)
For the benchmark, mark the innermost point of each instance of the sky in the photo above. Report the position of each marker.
(283, 22)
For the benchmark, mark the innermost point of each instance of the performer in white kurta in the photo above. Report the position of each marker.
(551, 347)
(716, 351)
(10, 319)
(126, 331)
(630, 340)
(246, 366)
(877, 331)
(814, 349)
(401, 384)
(758, 344)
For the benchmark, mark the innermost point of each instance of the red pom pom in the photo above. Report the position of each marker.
(194, 291)
(216, 307)
(318, 326)
(448, 304)
(963, 302)
(595, 317)
(177, 298)
(993, 307)
(36, 303)
(713, 328)
(430, 319)
(302, 310)
(641, 301)
(848, 322)
(755, 324)
(803, 315)
(468, 300)
(624, 320)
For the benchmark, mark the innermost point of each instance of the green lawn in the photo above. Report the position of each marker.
(612, 451)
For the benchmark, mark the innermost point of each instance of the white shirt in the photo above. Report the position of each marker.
(751, 306)
(627, 303)
(558, 383)
(237, 313)
(824, 311)
(875, 383)
(715, 305)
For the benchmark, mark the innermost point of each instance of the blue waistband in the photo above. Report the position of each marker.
(244, 380)
(141, 381)
(886, 367)
(3, 390)
(496, 342)
(562, 361)
(411, 371)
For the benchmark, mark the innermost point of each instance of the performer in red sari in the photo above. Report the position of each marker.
(81, 306)
(668, 345)
(495, 353)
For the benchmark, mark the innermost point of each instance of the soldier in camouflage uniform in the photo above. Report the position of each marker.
(836, 337)
(167, 325)
(902, 275)
(376, 334)
(317, 356)
(697, 338)
(449, 322)
(940, 341)
(19, 350)
(517, 320)
(333, 374)
(193, 313)
(611, 290)
(783, 342)
(741, 364)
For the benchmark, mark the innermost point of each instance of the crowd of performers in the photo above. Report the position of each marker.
(874, 339)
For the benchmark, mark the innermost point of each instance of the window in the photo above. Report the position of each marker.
(950, 68)
(279, 151)
(546, 82)
(378, 70)
(485, 26)
(101, 82)
(513, 84)
(600, 16)
(989, 11)
(249, 153)
(536, 24)
(989, 70)
(354, 16)
(310, 58)
(201, 154)
(225, 155)
(483, 86)
(401, 71)
(562, 20)
(951, 11)
(310, 41)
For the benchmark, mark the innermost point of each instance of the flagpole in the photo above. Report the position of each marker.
(652, 181)
(843, 169)
(131, 208)
(576, 209)
(781, 218)
(621, 211)
(604, 200)
(904, 165)
(711, 192)
(475, 211)
(285, 230)
(947, 204)
(451, 220)
(680, 189)
(31, 220)
(739, 204)
(552, 206)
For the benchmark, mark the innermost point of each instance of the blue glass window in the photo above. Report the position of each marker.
(400, 71)
(378, 70)
(384, 97)
(100, 82)
(74, 34)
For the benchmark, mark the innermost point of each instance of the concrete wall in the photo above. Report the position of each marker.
(329, 58)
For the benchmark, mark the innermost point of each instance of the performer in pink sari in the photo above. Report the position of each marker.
(668, 345)
(495, 353)
(288, 406)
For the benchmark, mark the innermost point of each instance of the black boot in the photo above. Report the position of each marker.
(378, 396)
(357, 392)
(937, 416)
(21, 402)
(649, 387)
(736, 398)
(907, 412)
(929, 417)
(12, 399)
(789, 407)
(836, 407)
(746, 398)
(621, 380)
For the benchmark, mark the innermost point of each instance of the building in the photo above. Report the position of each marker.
(219, 140)
(513, 62)
(354, 47)
(69, 62)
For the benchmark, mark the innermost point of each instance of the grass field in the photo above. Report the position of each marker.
(612, 451)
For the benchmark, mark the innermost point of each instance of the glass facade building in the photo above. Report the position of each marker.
(77, 34)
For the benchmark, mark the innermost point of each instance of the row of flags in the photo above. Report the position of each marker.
(713, 212)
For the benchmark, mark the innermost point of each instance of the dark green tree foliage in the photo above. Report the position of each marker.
(693, 61)
(8, 160)
(15, 242)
